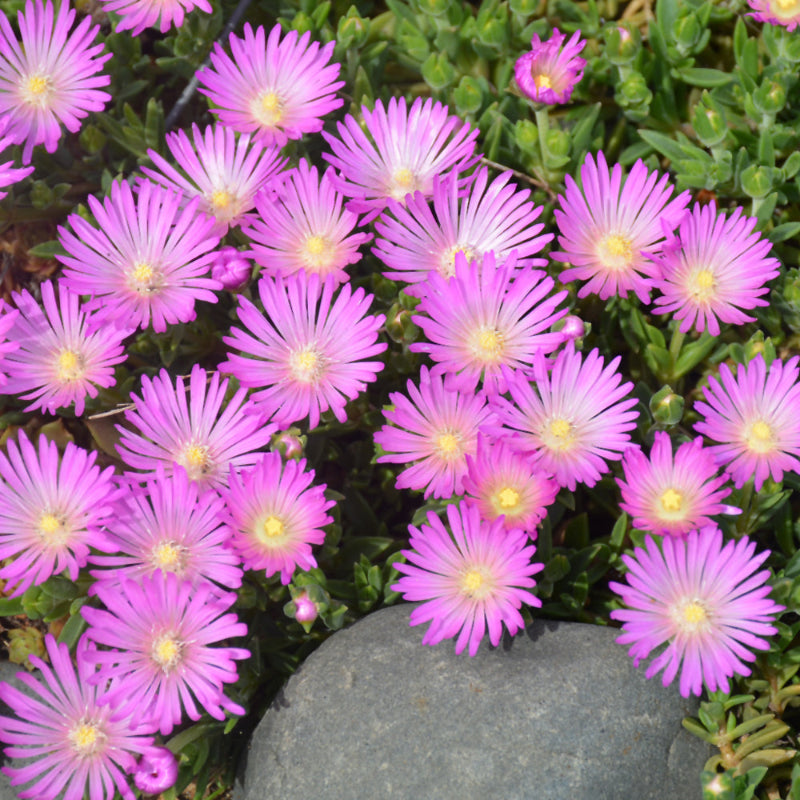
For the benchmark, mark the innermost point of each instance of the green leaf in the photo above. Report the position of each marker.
(707, 78)
(72, 631)
(11, 606)
(663, 144)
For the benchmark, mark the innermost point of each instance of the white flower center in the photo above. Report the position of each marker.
(615, 252)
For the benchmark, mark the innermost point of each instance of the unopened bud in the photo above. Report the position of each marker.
(156, 771)
(230, 268)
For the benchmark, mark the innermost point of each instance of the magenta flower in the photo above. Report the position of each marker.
(703, 601)
(713, 268)
(670, 494)
(170, 526)
(400, 153)
(140, 14)
(573, 420)
(476, 576)
(224, 173)
(276, 515)
(415, 241)
(162, 662)
(8, 174)
(78, 742)
(148, 259)
(8, 318)
(486, 322)
(231, 268)
(550, 71)
(276, 89)
(776, 12)
(192, 428)
(49, 76)
(754, 418)
(59, 361)
(501, 482)
(302, 225)
(52, 510)
(156, 771)
(308, 352)
(432, 431)
(611, 228)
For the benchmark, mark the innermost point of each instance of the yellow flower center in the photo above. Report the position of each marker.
(269, 109)
(508, 497)
(559, 434)
(475, 583)
(196, 460)
(316, 253)
(703, 285)
(691, 615)
(143, 278)
(786, 7)
(166, 652)
(37, 90)
(52, 530)
(273, 527)
(615, 252)
(305, 365)
(404, 182)
(759, 437)
(168, 556)
(220, 199)
(487, 345)
(542, 82)
(671, 501)
(448, 445)
(447, 262)
(86, 738)
(272, 532)
(70, 366)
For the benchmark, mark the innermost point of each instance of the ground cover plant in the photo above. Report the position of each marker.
(310, 308)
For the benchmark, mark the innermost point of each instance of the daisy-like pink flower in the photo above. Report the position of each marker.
(704, 601)
(172, 526)
(400, 152)
(49, 76)
(8, 317)
(193, 428)
(715, 267)
(550, 71)
(64, 723)
(8, 174)
(433, 430)
(147, 261)
(502, 482)
(310, 351)
(673, 494)
(573, 420)
(302, 225)
(140, 14)
(224, 173)
(162, 661)
(754, 418)
(777, 12)
(610, 229)
(63, 356)
(487, 321)
(414, 241)
(275, 89)
(473, 578)
(52, 510)
(276, 515)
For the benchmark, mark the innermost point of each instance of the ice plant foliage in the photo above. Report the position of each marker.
(550, 71)
(415, 241)
(309, 351)
(164, 14)
(63, 357)
(276, 514)
(149, 259)
(715, 267)
(611, 228)
(673, 493)
(754, 420)
(704, 601)
(192, 427)
(276, 89)
(72, 740)
(471, 579)
(777, 12)
(302, 226)
(224, 173)
(162, 661)
(52, 510)
(400, 152)
(49, 76)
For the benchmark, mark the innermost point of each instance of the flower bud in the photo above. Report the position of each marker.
(230, 268)
(156, 771)
(305, 608)
(572, 327)
(666, 406)
(757, 180)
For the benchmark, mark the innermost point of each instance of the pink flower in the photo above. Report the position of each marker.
(754, 418)
(276, 515)
(550, 71)
(8, 174)
(308, 353)
(611, 228)
(474, 577)
(302, 225)
(670, 494)
(148, 259)
(49, 76)
(414, 241)
(432, 431)
(712, 269)
(141, 14)
(156, 771)
(275, 89)
(777, 12)
(230, 268)
(162, 662)
(703, 601)
(400, 153)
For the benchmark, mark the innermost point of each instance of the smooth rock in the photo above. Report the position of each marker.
(556, 713)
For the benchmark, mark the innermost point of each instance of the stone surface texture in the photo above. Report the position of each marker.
(556, 713)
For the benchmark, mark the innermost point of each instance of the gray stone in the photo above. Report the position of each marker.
(558, 712)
